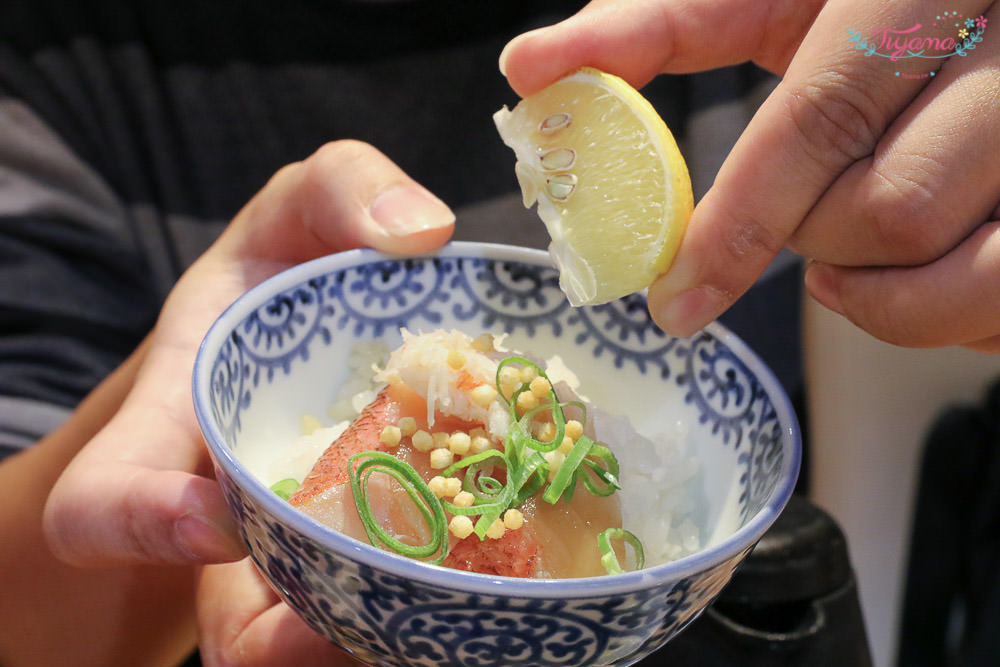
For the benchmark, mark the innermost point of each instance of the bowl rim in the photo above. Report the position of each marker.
(470, 582)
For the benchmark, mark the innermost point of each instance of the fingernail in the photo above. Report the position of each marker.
(502, 61)
(687, 312)
(405, 209)
(204, 540)
(820, 282)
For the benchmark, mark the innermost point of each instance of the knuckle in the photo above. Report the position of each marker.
(877, 321)
(57, 527)
(286, 172)
(61, 520)
(737, 252)
(340, 151)
(344, 160)
(137, 535)
(287, 175)
(908, 218)
(230, 655)
(748, 238)
(837, 121)
(316, 171)
(895, 316)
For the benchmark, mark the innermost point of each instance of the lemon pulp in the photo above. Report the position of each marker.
(610, 182)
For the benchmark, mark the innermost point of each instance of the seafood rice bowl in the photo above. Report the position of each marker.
(417, 504)
(472, 422)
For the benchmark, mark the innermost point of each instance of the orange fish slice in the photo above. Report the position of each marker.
(363, 434)
(515, 554)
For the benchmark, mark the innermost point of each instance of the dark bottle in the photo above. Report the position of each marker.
(793, 602)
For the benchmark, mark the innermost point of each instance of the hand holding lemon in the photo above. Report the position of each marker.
(887, 183)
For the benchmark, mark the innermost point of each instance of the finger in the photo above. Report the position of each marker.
(140, 491)
(946, 302)
(242, 622)
(346, 195)
(931, 180)
(637, 40)
(827, 113)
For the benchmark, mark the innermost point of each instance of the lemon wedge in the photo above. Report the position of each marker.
(610, 182)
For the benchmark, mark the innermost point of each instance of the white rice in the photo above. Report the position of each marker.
(301, 455)
(360, 387)
(357, 391)
(655, 475)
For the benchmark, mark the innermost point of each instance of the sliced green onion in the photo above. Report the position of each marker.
(567, 471)
(484, 487)
(522, 422)
(557, 418)
(609, 559)
(361, 467)
(532, 486)
(286, 488)
(567, 494)
(608, 474)
(599, 465)
(526, 469)
(488, 486)
(472, 459)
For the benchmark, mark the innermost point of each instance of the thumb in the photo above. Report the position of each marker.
(639, 39)
(345, 195)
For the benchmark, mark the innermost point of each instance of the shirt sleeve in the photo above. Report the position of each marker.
(74, 294)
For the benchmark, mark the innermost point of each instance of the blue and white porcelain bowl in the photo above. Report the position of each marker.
(280, 351)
